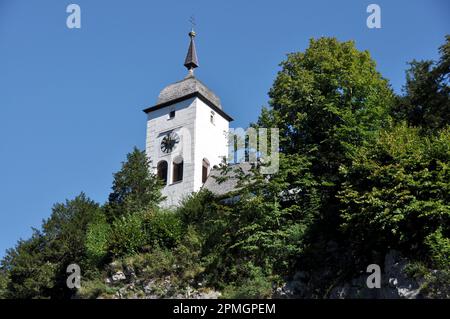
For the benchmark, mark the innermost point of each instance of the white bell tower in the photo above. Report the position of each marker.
(187, 133)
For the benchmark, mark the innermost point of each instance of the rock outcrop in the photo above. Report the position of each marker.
(396, 283)
(127, 285)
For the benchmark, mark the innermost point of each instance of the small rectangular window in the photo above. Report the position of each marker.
(172, 114)
(211, 117)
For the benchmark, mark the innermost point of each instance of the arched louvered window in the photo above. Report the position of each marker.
(177, 173)
(162, 171)
(205, 170)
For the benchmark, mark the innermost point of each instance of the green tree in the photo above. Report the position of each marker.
(426, 102)
(65, 237)
(134, 188)
(30, 273)
(266, 226)
(37, 266)
(327, 102)
(397, 195)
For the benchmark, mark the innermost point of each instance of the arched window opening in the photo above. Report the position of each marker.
(162, 171)
(177, 170)
(205, 170)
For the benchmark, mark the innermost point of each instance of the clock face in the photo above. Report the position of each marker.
(169, 142)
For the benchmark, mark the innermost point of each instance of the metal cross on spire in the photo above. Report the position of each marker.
(192, 21)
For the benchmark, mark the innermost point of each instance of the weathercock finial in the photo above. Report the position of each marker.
(191, 61)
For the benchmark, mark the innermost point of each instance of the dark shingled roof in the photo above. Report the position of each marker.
(229, 184)
(186, 87)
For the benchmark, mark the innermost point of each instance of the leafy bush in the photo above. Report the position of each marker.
(97, 241)
(437, 284)
(417, 270)
(94, 289)
(163, 228)
(159, 262)
(188, 255)
(195, 207)
(256, 286)
(182, 263)
(439, 247)
(127, 235)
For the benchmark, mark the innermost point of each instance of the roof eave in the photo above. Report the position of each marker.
(186, 97)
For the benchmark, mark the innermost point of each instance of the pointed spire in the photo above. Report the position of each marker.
(191, 61)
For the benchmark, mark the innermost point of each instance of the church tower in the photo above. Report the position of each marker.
(187, 133)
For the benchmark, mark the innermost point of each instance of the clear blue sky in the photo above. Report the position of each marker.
(71, 100)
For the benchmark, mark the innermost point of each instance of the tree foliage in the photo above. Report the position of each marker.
(397, 192)
(82, 232)
(30, 274)
(163, 228)
(260, 228)
(98, 240)
(326, 102)
(135, 187)
(426, 103)
(37, 266)
(126, 237)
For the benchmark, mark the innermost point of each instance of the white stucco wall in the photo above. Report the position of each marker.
(158, 124)
(210, 140)
(199, 139)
